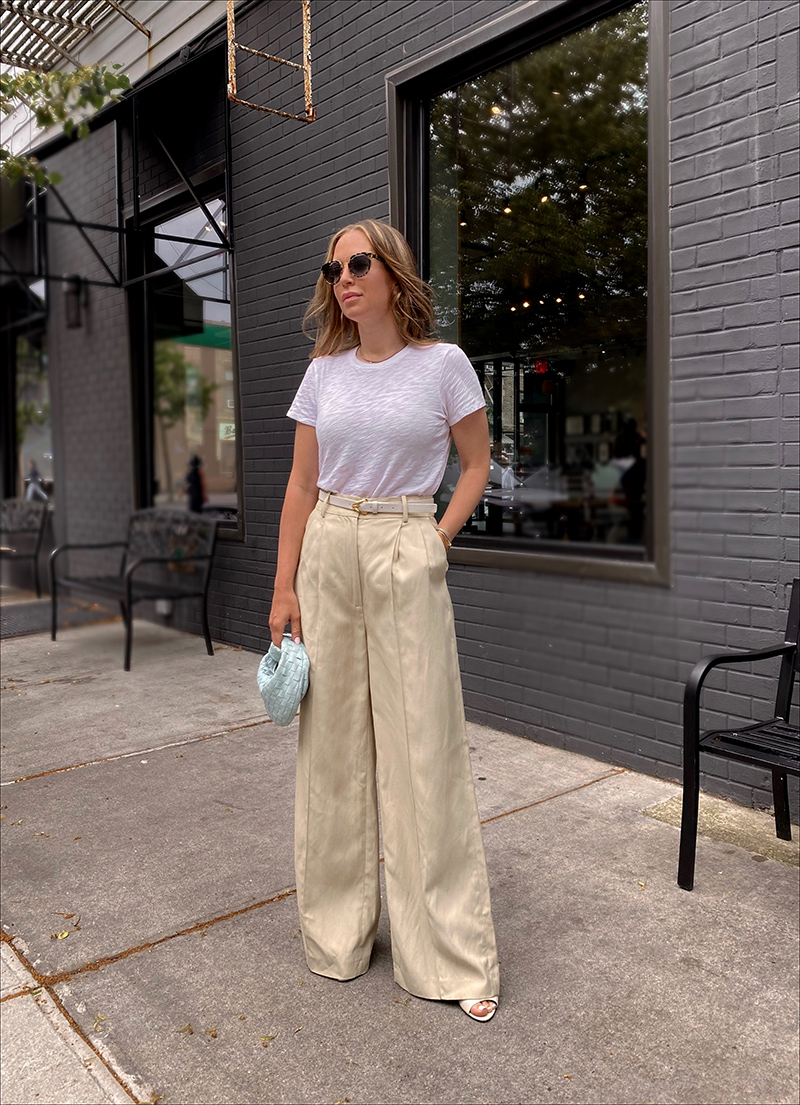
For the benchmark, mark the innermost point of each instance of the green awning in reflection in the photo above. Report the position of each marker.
(214, 335)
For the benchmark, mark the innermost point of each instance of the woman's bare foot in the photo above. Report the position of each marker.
(479, 1010)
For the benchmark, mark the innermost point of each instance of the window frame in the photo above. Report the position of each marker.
(163, 207)
(522, 29)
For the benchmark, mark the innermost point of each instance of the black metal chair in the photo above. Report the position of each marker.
(167, 555)
(22, 523)
(774, 744)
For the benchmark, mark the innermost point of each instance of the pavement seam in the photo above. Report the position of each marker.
(59, 1005)
(49, 980)
(96, 964)
(612, 774)
(138, 752)
(18, 993)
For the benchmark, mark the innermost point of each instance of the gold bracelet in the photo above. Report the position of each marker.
(446, 536)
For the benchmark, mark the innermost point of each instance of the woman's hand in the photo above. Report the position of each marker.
(285, 608)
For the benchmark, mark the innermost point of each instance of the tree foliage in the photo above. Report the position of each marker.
(177, 385)
(173, 389)
(539, 185)
(56, 98)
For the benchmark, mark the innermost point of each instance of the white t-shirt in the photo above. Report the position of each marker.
(384, 429)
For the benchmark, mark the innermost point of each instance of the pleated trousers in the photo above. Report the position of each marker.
(385, 694)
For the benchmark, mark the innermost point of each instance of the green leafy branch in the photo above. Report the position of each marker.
(173, 393)
(56, 98)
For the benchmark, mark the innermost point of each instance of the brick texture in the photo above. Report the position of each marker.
(593, 666)
(89, 372)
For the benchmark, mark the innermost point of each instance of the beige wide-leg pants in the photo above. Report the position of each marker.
(385, 691)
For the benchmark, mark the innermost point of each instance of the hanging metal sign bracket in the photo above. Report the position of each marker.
(310, 113)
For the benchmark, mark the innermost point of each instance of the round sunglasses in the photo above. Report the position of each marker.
(359, 265)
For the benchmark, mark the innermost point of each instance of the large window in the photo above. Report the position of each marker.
(537, 239)
(194, 401)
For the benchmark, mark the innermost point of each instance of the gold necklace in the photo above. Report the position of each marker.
(368, 361)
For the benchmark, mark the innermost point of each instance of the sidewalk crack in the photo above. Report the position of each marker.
(137, 752)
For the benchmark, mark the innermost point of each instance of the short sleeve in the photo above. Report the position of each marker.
(462, 393)
(304, 405)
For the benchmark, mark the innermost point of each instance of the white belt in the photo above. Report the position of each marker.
(401, 505)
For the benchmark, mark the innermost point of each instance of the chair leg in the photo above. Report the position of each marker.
(691, 798)
(206, 630)
(780, 796)
(53, 618)
(36, 581)
(127, 616)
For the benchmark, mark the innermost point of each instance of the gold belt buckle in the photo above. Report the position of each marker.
(356, 506)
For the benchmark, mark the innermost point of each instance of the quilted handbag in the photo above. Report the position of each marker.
(283, 679)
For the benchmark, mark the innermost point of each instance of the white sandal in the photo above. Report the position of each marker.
(468, 1003)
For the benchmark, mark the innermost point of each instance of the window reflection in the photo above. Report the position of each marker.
(194, 403)
(538, 255)
(33, 427)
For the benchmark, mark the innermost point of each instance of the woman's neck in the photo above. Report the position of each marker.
(378, 343)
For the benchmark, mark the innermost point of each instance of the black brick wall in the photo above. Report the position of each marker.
(89, 367)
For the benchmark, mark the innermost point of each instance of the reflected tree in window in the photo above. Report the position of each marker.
(538, 255)
(177, 386)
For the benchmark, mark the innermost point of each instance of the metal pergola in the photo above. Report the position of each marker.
(39, 34)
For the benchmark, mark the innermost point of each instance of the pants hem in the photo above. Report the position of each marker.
(448, 993)
(337, 975)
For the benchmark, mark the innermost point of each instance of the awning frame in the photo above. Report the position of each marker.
(128, 229)
(36, 34)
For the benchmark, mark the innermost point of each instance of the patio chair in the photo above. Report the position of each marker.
(773, 744)
(22, 527)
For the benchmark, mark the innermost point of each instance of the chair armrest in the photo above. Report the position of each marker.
(136, 564)
(694, 684)
(102, 545)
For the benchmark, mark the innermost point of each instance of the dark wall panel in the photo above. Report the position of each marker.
(89, 366)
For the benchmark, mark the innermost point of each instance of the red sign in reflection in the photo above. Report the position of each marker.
(540, 367)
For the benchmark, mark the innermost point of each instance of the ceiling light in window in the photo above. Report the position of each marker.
(583, 187)
(506, 210)
(496, 109)
(581, 296)
(544, 199)
(513, 308)
(558, 299)
(462, 223)
(556, 93)
(541, 301)
(526, 304)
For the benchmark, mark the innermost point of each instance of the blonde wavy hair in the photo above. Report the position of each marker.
(412, 303)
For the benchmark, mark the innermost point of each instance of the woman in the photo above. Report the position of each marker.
(361, 579)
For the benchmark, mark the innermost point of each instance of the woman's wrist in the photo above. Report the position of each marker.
(448, 540)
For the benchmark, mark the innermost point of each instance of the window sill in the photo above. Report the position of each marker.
(584, 567)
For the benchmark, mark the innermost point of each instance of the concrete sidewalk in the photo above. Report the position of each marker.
(151, 947)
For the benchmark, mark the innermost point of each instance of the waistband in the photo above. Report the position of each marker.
(401, 504)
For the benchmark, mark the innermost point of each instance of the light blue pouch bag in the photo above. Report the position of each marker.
(283, 679)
